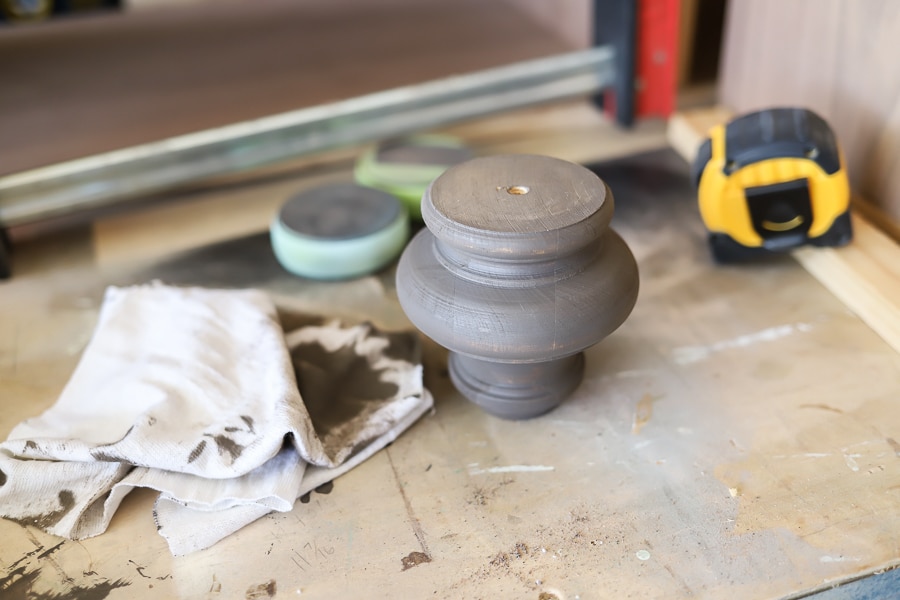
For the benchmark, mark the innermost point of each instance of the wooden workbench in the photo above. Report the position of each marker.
(738, 436)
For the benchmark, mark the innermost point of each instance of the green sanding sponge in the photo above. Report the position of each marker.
(404, 167)
(339, 231)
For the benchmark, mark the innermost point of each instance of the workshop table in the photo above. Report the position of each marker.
(736, 437)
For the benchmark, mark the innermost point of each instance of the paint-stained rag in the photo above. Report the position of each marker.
(201, 395)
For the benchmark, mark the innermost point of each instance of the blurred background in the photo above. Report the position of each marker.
(89, 76)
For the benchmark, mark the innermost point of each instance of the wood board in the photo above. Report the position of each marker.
(735, 437)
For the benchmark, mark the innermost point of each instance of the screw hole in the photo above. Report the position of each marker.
(518, 190)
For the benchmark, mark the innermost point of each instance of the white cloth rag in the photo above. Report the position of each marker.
(200, 394)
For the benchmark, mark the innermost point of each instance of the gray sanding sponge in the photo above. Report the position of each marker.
(339, 231)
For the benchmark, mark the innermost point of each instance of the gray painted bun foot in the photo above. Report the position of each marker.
(516, 274)
(516, 390)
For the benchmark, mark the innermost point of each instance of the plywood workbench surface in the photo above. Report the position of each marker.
(738, 437)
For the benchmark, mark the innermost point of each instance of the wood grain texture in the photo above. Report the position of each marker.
(864, 275)
(516, 274)
(837, 57)
(520, 195)
(78, 87)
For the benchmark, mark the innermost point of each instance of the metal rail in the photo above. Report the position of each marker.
(108, 178)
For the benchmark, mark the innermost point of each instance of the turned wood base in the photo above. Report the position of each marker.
(516, 390)
(516, 274)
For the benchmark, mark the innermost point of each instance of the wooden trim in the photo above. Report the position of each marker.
(864, 275)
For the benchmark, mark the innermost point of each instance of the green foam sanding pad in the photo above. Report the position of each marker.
(339, 231)
(404, 167)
